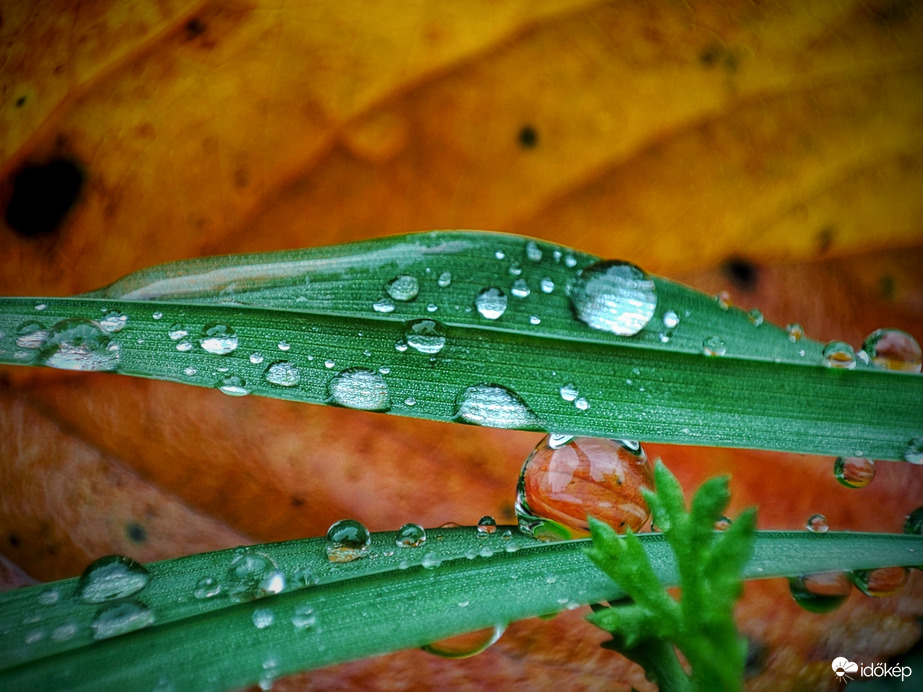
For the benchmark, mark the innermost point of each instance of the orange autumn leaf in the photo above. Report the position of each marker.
(678, 136)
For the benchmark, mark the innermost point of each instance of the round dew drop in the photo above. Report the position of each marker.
(822, 592)
(114, 322)
(283, 374)
(232, 385)
(714, 346)
(893, 349)
(403, 288)
(111, 578)
(885, 581)
(177, 332)
(304, 617)
(491, 303)
(465, 645)
(252, 576)
(562, 484)
(384, 306)
(206, 587)
(262, 618)
(569, 392)
(347, 540)
(546, 284)
(218, 339)
(79, 344)
(425, 336)
(410, 536)
(839, 354)
(120, 618)
(520, 289)
(614, 296)
(533, 251)
(817, 523)
(444, 280)
(31, 334)
(361, 389)
(487, 525)
(854, 472)
(795, 331)
(494, 406)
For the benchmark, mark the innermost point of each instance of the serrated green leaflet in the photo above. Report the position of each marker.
(341, 325)
(358, 609)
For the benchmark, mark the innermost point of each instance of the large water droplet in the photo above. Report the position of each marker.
(403, 288)
(120, 618)
(79, 344)
(360, 388)
(465, 645)
(854, 472)
(817, 523)
(252, 576)
(614, 296)
(561, 485)
(445, 279)
(822, 592)
(913, 452)
(283, 373)
(491, 303)
(31, 334)
(347, 540)
(114, 321)
(494, 406)
(410, 536)
(839, 354)
(487, 525)
(533, 251)
(885, 581)
(232, 385)
(206, 587)
(218, 339)
(893, 349)
(110, 578)
(426, 336)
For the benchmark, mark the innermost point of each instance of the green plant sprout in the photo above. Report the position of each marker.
(477, 328)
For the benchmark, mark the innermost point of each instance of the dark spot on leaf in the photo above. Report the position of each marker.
(297, 501)
(135, 532)
(757, 656)
(42, 196)
(742, 273)
(20, 102)
(719, 55)
(888, 287)
(13, 540)
(825, 239)
(528, 137)
(194, 28)
(896, 12)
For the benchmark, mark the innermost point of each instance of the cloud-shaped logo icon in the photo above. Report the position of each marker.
(841, 666)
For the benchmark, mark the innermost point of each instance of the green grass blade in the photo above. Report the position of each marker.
(368, 607)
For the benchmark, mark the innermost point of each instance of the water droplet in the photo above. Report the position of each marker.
(557, 255)
(914, 523)
(63, 633)
(533, 251)
(360, 389)
(581, 403)
(913, 452)
(444, 280)
(256, 358)
(31, 334)
(822, 592)
(304, 617)
(177, 332)
(561, 485)
(403, 287)
(114, 321)
(614, 296)
(218, 339)
(232, 385)
(262, 618)
(40, 306)
(110, 578)
(723, 523)
(839, 354)
(401, 346)
(546, 285)
(491, 303)
(189, 371)
(410, 536)
(157, 315)
(465, 645)
(893, 349)
(795, 331)
(347, 540)
(120, 618)
(425, 336)
(253, 575)
(79, 344)
(184, 346)
(303, 576)
(487, 525)
(384, 370)
(410, 401)
(284, 345)
(206, 587)
(854, 472)
(535, 319)
(714, 346)
(570, 261)
(431, 560)
(494, 406)
(329, 363)
(283, 373)
(756, 317)
(520, 289)
(885, 581)
(432, 307)
(515, 269)
(817, 523)
(499, 254)
(385, 305)
(670, 319)
(723, 299)
(569, 392)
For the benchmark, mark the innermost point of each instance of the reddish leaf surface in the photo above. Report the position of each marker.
(674, 135)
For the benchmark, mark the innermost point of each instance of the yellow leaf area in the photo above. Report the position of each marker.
(679, 135)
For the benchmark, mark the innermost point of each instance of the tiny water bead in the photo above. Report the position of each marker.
(79, 344)
(854, 472)
(283, 345)
(184, 346)
(403, 288)
(839, 354)
(546, 284)
(347, 540)
(822, 592)
(795, 331)
(487, 525)
(533, 251)
(410, 536)
(614, 296)
(262, 618)
(111, 578)
(444, 280)
(520, 289)
(817, 523)
(885, 581)
(581, 403)
(253, 575)
(569, 392)
(114, 321)
(283, 374)
(893, 349)
(384, 306)
(359, 388)
(177, 331)
(714, 346)
(561, 484)
(206, 587)
(49, 597)
(494, 406)
(491, 303)
(465, 645)
(304, 617)
(425, 336)
(233, 385)
(670, 319)
(756, 317)
(120, 618)
(218, 339)
(256, 358)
